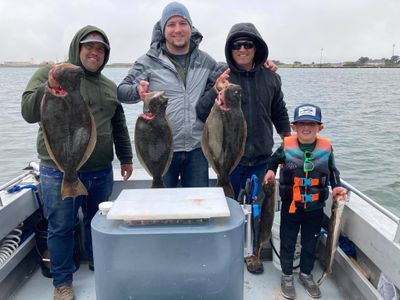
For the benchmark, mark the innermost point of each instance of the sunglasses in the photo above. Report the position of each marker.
(246, 44)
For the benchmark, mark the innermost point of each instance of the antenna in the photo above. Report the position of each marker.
(320, 59)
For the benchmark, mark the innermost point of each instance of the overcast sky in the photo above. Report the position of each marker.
(302, 30)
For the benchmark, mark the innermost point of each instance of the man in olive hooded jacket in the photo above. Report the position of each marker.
(90, 50)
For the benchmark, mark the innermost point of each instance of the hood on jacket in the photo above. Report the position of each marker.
(250, 31)
(75, 46)
(158, 40)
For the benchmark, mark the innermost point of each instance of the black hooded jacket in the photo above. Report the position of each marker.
(262, 99)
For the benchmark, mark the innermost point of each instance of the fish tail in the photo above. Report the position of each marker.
(228, 190)
(323, 276)
(226, 184)
(72, 189)
(157, 183)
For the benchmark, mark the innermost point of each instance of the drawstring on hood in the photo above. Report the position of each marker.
(74, 48)
(250, 31)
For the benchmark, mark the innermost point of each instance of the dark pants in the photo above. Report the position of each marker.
(62, 215)
(190, 167)
(310, 225)
(241, 173)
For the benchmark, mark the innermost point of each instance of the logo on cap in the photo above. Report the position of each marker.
(307, 111)
(95, 37)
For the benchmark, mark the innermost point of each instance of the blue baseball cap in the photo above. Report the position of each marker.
(307, 112)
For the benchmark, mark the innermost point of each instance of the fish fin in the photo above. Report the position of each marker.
(227, 186)
(72, 189)
(92, 140)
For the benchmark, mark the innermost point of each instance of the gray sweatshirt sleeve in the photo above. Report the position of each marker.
(127, 89)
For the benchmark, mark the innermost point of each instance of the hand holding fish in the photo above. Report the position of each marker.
(51, 81)
(143, 89)
(269, 177)
(222, 81)
(53, 84)
(126, 171)
(339, 191)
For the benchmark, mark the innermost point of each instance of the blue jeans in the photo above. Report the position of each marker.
(61, 215)
(310, 225)
(241, 173)
(191, 167)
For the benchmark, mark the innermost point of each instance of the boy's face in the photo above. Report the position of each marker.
(307, 131)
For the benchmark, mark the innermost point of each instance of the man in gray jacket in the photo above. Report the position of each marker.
(176, 65)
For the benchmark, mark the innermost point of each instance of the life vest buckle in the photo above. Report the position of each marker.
(306, 181)
(307, 198)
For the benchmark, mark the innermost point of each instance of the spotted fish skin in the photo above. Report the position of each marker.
(153, 138)
(68, 127)
(224, 136)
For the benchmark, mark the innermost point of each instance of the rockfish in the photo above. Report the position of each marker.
(267, 215)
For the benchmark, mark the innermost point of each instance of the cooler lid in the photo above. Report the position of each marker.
(169, 204)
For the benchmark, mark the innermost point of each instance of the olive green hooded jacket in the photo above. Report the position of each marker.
(100, 93)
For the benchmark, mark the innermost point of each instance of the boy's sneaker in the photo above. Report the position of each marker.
(287, 287)
(254, 264)
(64, 292)
(310, 285)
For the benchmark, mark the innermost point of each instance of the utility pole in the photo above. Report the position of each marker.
(320, 59)
(393, 50)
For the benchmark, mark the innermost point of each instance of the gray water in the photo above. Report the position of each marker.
(360, 108)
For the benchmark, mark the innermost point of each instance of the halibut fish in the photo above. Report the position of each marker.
(153, 138)
(68, 128)
(224, 136)
(333, 234)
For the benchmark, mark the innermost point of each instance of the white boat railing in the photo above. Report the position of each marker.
(383, 210)
(34, 169)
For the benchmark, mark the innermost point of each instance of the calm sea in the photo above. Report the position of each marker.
(361, 114)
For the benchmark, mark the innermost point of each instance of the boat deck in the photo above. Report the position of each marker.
(264, 286)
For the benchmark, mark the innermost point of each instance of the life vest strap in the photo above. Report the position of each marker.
(304, 198)
(308, 198)
(304, 181)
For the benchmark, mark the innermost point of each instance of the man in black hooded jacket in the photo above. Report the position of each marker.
(262, 104)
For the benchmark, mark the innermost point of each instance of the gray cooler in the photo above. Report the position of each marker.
(169, 244)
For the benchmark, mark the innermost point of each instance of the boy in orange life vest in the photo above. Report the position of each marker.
(308, 168)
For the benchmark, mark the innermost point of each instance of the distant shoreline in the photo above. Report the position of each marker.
(283, 66)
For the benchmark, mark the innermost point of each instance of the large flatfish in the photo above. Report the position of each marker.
(333, 234)
(153, 138)
(68, 128)
(224, 135)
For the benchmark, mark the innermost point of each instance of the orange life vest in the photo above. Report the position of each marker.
(304, 177)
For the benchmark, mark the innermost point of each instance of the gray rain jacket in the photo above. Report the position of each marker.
(156, 68)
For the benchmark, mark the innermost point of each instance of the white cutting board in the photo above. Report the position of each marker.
(168, 204)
